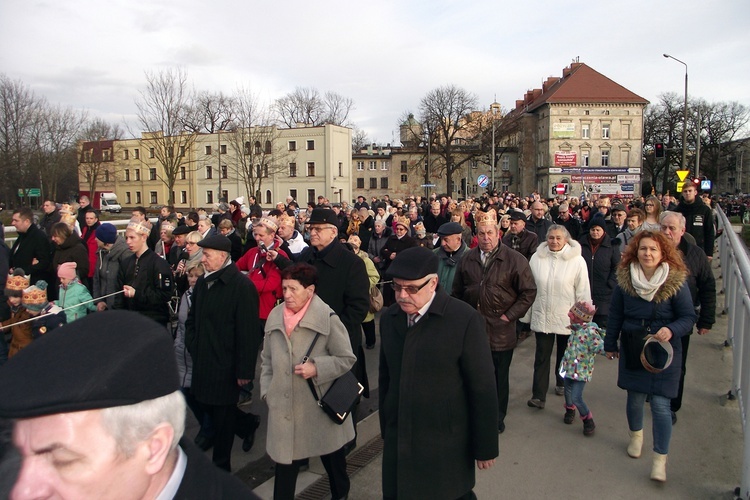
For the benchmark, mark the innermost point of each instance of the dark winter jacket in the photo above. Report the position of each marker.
(527, 244)
(108, 263)
(538, 227)
(701, 282)
(699, 221)
(33, 244)
(153, 286)
(602, 267)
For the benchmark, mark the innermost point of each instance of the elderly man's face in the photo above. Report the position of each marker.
(516, 226)
(488, 237)
(412, 295)
(71, 455)
(322, 235)
(213, 259)
(450, 243)
(672, 229)
(619, 217)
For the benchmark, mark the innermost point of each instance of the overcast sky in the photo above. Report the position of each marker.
(385, 55)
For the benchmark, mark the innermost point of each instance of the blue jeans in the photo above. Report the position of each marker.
(661, 415)
(574, 395)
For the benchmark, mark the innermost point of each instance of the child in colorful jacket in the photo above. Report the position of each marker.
(20, 333)
(585, 342)
(73, 293)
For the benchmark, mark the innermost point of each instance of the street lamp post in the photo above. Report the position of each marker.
(494, 108)
(684, 118)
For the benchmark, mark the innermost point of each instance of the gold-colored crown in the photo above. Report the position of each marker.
(583, 311)
(166, 226)
(18, 283)
(404, 221)
(486, 218)
(269, 223)
(139, 226)
(34, 296)
(286, 220)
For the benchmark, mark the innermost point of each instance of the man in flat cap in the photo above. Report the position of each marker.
(498, 282)
(452, 249)
(438, 408)
(223, 335)
(144, 277)
(518, 238)
(105, 417)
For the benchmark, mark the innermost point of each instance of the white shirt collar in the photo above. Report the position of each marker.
(170, 489)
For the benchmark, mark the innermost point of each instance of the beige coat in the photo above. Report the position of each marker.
(297, 427)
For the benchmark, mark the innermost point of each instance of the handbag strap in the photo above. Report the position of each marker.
(304, 360)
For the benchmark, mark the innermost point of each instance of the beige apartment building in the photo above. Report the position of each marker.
(302, 162)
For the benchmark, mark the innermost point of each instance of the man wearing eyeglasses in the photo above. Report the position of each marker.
(497, 281)
(436, 386)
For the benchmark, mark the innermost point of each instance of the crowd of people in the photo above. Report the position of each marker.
(463, 283)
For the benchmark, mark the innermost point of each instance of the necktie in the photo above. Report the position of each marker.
(412, 318)
(483, 257)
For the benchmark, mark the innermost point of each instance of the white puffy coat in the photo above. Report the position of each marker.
(561, 280)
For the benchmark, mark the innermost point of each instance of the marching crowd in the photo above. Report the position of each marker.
(461, 284)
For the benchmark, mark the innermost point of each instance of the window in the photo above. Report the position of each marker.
(384, 165)
(311, 196)
(269, 196)
(373, 183)
(605, 158)
(106, 154)
(384, 183)
(360, 165)
(293, 193)
(223, 149)
(138, 198)
(183, 173)
(182, 151)
(127, 174)
(360, 182)
(585, 131)
(106, 176)
(247, 147)
(127, 197)
(137, 154)
(311, 145)
(311, 169)
(170, 152)
(125, 154)
(209, 172)
(625, 158)
(373, 165)
(224, 194)
(208, 152)
(137, 174)
(223, 171)
(292, 169)
(292, 145)
(87, 156)
(506, 164)
(341, 169)
(404, 179)
(265, 170)
(209, 196)
(626, 131)
(605, 130)
(606, 111)
(585, 158)
(257, 147)
(152, 174)
(183, 197)
(88, 177)
(403, 167)
(151, 153)
(587, 112)
(153, 197)
(268, 148)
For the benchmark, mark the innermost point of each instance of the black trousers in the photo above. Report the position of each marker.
(501, 360)
(676, 403)
(369, 329)
(285, 481)
(544, 344)
(227, 421)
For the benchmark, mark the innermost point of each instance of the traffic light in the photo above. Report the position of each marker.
(697, 183)
(659, 150)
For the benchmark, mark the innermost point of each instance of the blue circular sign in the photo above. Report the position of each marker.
(483, 181)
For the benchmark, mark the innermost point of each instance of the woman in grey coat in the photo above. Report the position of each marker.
(112, 252)
(297, 427)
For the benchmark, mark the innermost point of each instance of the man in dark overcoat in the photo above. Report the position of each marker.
(223, 336)
(438, 408)
(32, 250)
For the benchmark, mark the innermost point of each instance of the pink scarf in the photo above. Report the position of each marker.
(292, 319)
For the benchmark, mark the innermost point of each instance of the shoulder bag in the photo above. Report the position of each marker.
(376, 299)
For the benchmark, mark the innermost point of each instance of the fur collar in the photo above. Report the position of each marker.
(669, 289)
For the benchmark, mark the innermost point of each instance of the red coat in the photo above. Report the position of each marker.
(89, 241)
(266, 277)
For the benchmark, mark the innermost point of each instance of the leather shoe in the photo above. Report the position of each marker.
(203, 442)
(500, 427)
(249, 441)
(535, 403)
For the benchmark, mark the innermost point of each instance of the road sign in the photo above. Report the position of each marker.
(30, 192)
(483, 181)
(680, 185)
(682, 174)
(427, 185)
(560, 189)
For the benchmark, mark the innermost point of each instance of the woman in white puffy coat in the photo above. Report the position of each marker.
(562, 280)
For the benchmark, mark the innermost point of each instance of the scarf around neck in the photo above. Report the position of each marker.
(645, 288)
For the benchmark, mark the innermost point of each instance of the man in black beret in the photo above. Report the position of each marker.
(223, 335)
(434, 356)
(452, 248)
(518, 238)
(105, 417)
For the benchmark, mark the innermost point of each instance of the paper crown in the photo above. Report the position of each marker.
(403, 221)
(166, 226)
(583, 311)
(286, 220)
(269, 223)
(35, 296)
(486, 218)
(17, 282)
(139, 226)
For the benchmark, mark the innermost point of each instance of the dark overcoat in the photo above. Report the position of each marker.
(672, 307)
(223, 335)
(33, 244)
(602, 266)
(438, 402)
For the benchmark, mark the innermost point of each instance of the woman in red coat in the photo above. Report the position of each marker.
(88, 236)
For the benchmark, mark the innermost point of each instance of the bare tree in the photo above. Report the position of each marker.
(209, 112)
(259, 154)
(360, 140)
(57, 148)
(305, 105)
(662, 122)
(719, 125)
(162, 114)
(96, 137)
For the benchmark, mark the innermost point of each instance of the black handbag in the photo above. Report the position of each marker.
(633, 342)
(343, 395)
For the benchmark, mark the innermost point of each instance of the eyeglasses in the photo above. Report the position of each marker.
(649, 204)
(409, 289)
(317, 229)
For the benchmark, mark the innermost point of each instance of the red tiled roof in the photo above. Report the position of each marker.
(580, 83)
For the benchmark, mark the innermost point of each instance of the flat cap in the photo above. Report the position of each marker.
(111, 358)
(450, 228)
(183, 229)
(413, 263)
(216, 242)
(517, 215)
(323, 216)
(619, 207)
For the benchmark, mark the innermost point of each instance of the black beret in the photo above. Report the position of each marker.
(106, 359)
(183, 229)
(450, 228)
(517, 215)
(413, 263)
(323, 216)
(216, 242)
(598, 220)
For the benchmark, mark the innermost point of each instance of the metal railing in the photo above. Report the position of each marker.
(120, 224)
(735, 272)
